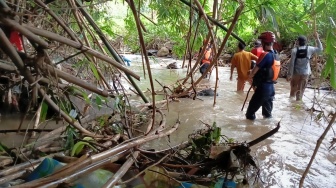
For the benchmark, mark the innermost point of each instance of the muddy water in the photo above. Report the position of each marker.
(281, 158)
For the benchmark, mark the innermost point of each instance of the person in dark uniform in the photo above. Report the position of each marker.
(263, 74)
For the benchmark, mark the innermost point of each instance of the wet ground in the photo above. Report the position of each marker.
(281, 158)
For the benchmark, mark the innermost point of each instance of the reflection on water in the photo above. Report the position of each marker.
(281, 158)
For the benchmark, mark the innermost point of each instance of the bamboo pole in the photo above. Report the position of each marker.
(216, 22)
(11, 52)
(3, 4)
(37, 118)
(122, 171)
(58, 178)
(318, 143)
(143, 47)
(71, 79)
(214, 45)
(235, 19)
(79, 46)
(111, 50)
(17, 169)
(17, 175)
(57, 19)
(80, 22)
(7, 67)
(24, 31)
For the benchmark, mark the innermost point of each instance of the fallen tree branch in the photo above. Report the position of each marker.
(71, 170)
(122, 171)
(263, 137)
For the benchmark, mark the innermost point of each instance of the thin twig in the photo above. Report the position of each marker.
(318, 143)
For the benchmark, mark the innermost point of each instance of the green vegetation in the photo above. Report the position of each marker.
(166, 20)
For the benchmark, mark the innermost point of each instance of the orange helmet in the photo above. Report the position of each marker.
(267, 36)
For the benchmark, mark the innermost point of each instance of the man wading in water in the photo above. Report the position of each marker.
(207, 57)
(299, 66)
(264, 75)
(242, 61)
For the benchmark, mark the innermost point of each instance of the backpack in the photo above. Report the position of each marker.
(301, 53)
(276, 67)
(268, 74)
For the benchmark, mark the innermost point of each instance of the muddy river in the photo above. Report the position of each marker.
(282, 158)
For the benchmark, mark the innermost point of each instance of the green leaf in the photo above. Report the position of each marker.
(319, 8)
(272, 14)
(44, 111)
(3, 148)
(78, 147)
(330, 46)
(71, 135)
(327, 66)
(99, 101)
(94, 70)
(215, 136)
(333, 76)
(86, 97)
(298, 28)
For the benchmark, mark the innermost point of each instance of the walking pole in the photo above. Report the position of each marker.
(253, 63)
(246, 97)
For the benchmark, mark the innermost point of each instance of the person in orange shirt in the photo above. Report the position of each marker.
(242, 61)
(207, 57)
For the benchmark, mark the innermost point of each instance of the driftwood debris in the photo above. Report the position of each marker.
(66, 73)
(189, 161)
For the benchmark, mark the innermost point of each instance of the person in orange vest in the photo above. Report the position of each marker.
(242, 61)
(257, 49)
(207, 57)
(264, 76)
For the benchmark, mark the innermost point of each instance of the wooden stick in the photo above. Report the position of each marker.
(318, 143)
(122, 171)
(69, 172)
(79, 46)
(14, 56)
(26, 130)
(246, 98)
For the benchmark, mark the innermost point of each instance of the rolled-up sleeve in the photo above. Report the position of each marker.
(319, 47)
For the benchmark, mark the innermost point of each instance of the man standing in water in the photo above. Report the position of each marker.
(242, 61)
(299, 66)
(207, 57)
(264, 74)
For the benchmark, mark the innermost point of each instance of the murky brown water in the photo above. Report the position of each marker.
(281, 158)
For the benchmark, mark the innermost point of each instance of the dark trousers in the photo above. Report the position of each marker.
(204, 67)
(262, 97)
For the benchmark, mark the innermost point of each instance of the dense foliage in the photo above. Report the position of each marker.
(167, 20)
